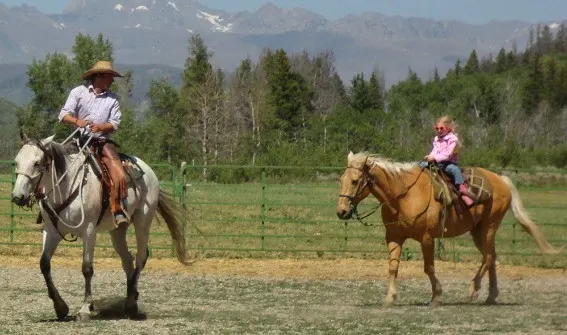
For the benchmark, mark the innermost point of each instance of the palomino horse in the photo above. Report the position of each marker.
(409, 210)
(71, 204)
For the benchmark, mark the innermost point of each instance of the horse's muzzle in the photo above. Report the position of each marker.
(21, 200)
(344, 214)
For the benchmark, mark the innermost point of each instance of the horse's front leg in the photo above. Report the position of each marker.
(89, 240)
(51, 239)
(395, 250)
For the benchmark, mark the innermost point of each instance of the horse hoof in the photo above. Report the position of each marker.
(388, 303)
(84, 317)
(434, 303)
(473, 297)
(62, 311)
(138, 316)
(491, 301)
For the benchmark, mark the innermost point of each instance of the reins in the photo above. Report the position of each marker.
(54, 210)
(360, 217)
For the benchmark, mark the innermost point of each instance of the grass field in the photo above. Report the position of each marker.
(298, 219)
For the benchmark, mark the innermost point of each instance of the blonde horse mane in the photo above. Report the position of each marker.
(397, 169)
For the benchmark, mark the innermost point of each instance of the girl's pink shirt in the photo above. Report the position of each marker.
(444, 148)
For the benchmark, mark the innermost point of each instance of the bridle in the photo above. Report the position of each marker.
(36, 178)
(367, 177)
(353, 204)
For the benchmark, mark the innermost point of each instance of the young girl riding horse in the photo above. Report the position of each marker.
(445, 153)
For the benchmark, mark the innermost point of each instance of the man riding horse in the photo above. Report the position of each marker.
(95, 106)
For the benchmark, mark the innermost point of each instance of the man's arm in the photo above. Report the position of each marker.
(68, 114)
(113, 120)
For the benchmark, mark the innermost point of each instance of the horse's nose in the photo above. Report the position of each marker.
(20, 201)
(342, 214)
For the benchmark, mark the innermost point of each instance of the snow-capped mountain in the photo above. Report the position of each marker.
(156, 32)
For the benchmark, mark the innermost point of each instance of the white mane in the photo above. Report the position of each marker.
(396, 168)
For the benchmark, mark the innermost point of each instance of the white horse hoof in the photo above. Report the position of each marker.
(84, 317)
(473, 296)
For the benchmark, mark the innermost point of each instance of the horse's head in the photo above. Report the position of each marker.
(355, 183)
(32, 161)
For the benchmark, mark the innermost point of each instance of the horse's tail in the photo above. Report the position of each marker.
(171, 214)
(522, 216)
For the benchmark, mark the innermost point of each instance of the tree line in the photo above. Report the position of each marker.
(294, 109)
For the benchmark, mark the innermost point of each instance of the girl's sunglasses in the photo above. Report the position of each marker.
(440, 128)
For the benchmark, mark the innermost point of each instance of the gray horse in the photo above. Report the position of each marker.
(71, 203)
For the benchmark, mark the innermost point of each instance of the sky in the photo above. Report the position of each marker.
(472, 11)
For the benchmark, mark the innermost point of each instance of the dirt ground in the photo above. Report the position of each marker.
(284, 296)
(324, 269)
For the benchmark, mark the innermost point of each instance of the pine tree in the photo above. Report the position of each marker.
(376, 91)
(458, 69)
(290, 96)
(472, 66)
(532, 89)
(560, 38)
(436, 77)
(359, 95)
(501, 62)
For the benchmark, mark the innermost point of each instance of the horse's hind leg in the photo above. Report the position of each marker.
(50, 241)
(492, 280)
(142, 221)
(483, 238)
(428, 250)
(477, 280)
(89, 241)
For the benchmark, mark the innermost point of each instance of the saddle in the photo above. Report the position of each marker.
(446, 193)
(129, 163)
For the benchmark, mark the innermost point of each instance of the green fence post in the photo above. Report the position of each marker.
(345, 245)
(514, 237)
(182, 200)
(263, 208)
(13, 182)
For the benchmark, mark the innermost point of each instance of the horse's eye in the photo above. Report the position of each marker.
(354, 182)
(36, 164)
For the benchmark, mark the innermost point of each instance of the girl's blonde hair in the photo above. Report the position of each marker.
(449, 122)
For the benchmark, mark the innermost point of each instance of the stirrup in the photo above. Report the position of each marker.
(120, 218)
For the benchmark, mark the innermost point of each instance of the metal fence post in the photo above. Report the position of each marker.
(345, 244)
(514, 237)
(263, 209)
(13, 182)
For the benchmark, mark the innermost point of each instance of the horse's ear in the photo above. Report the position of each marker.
(48, 140)
(350, 156)
(23, 137)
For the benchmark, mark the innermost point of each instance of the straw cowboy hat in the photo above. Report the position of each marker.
(100, 67)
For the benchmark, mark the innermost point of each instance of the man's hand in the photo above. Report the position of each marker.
(102, 128)
(82, 123)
